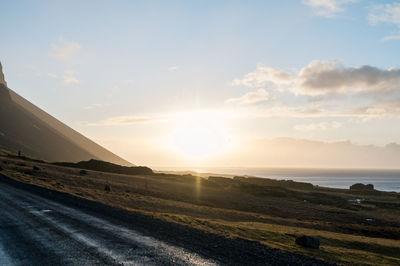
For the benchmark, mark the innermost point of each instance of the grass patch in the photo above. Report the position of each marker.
(365, 233)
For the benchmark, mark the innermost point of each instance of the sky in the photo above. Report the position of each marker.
(172, 83)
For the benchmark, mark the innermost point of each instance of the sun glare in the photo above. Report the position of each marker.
(200, 135)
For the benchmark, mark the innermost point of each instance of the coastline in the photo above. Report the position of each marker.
(383, 179)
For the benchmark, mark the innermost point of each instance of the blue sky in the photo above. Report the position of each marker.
(125, 72)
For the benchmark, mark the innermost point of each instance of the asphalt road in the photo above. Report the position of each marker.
(37, 231)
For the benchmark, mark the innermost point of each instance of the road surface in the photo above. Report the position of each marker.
(37, 231)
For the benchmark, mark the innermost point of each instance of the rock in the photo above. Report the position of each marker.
(1, 168)
(107, 188)
(35, 168)
(369, 187)
(308, 242)
(360, 186)
(2, 80)
(83, 172)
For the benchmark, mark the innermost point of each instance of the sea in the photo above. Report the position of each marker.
(382, 179)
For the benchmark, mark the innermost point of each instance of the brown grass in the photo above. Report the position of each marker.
(273, 219)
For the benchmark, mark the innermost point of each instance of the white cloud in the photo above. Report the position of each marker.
(64, 50)
(52, 75)
(127, 120)
(391, 37)
(94, 105)
(177, 117)
(328, 8)
(172, 68)
(263, 76)
(69, 78)
(388, 14)
(260, 95)
(381, 109)
(361, 112)
(318, 126)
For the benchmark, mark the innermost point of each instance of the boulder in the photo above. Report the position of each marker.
(107, 188)
(83, 172)
(369, 187)
(308, 242)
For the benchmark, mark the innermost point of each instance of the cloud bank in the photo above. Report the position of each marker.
(323, 88)
(325, 77)
(322, 77)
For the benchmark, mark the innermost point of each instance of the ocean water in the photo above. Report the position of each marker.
(385, 180)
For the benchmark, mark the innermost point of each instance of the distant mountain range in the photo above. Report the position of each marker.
(25, 127)
(305, 153)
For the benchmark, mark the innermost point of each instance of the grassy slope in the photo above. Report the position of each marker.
(274, 219)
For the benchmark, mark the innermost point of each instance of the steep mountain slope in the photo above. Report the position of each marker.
(27, 128)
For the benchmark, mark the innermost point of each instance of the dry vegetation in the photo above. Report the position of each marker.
(351, 233)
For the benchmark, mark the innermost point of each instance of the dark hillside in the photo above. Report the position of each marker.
(25, 127)
(22, 131)
(102, 166)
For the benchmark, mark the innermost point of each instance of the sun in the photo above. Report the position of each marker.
(200, 135)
